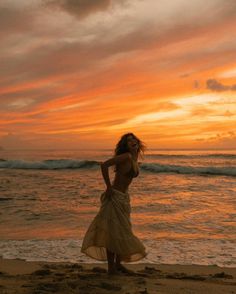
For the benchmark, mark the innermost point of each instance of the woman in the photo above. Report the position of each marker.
(110, 236)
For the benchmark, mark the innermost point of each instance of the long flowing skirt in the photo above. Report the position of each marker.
(111, 229)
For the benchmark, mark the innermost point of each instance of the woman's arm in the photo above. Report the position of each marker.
(112, 161)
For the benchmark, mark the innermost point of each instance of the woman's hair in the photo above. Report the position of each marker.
(122, 145)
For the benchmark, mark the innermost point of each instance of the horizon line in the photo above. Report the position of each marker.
(110, 149)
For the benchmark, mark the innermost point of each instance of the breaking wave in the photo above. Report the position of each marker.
(48, 164)
(190, 156)
(181, 169)
(52, 164)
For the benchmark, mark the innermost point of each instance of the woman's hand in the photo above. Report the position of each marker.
(109, 192)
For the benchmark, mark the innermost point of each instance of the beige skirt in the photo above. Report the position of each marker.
(111, 229)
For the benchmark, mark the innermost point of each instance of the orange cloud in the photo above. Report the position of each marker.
(122, 69)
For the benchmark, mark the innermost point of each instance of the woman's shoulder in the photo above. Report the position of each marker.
(125, 155)
(117, 159)
(123, 158)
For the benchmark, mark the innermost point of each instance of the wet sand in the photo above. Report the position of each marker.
(19, 276)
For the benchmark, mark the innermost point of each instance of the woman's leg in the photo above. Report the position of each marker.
(111, 262)
(117, 259)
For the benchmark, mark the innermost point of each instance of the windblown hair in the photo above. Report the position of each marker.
(122, 145)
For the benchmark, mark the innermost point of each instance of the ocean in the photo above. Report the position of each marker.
(183, 204)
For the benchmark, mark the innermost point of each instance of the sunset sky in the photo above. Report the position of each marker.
(80, 73)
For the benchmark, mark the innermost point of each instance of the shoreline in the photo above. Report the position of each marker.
(20, 276)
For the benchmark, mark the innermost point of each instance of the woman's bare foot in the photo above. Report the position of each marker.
(123, 269)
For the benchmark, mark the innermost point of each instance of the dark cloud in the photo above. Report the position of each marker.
(214, 85)
(14, 20)
(62, 58)
(28, 99)
(80, 8)
(65, 59)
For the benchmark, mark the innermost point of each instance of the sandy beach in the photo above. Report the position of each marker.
(19, 276)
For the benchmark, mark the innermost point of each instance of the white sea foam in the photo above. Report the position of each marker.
(167, 251)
